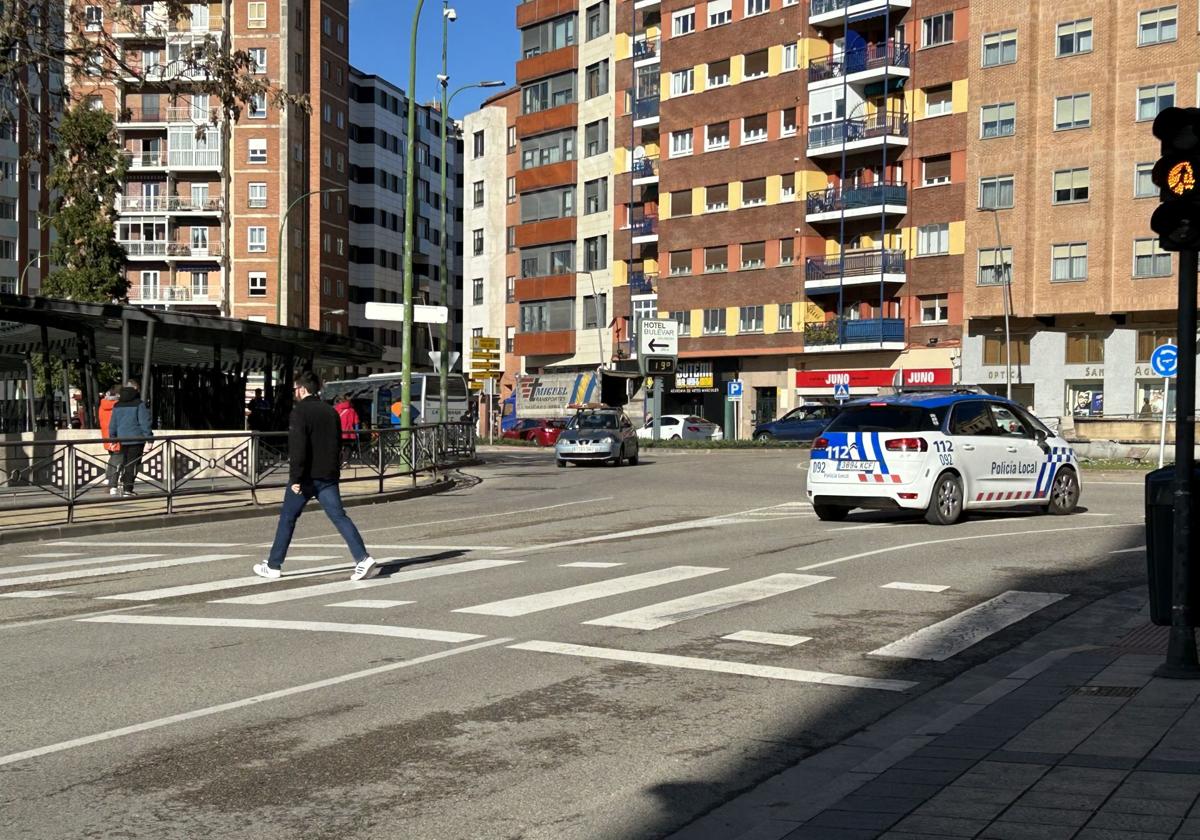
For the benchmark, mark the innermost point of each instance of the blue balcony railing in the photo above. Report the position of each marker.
(645, 48)
(842, 331)
(882, 124)
(860, 264)
(870, 57)
(823, 7)
(643, 283)
(855, 198)
(645, 226)
(644, 167)
(645, 107)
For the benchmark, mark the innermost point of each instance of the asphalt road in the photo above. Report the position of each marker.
(547, 657)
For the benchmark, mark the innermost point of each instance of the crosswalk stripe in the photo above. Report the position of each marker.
(526, 604)
(368, 604)
(719, 666)
(85, 561)
(758, 637)
(37, 593)
(219, 585)
(586, 564)
(420, 634)
(56, 554)
(116, 570)
(938, 642)
(655, 616)
(157, 544)
(915, 587)
(279, 595)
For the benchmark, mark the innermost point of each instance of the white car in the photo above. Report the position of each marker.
(942, 454)
(682, 427)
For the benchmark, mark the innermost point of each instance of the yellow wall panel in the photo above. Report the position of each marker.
(697, 323)
(771, 318)
(774, 183)
(737, 69)
(958, 96)
(775, 60)
(731, 320)
(958, 237)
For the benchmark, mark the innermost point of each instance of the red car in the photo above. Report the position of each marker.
(543, 432)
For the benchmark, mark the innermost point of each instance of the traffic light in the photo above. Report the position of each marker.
(1177, 219)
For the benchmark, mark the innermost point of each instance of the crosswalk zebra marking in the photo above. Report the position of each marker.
(219, 585)
(367, 604)
(914, 587)
(101, 571)
(85, 561)
(758, 637)
(37, 593)
(417, 633)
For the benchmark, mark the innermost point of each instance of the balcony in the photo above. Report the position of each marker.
(145, 160)
(860, 134)
(841, 334)
(645, 110)
(194, 158)
(150, 30)
(645, 170)
(161, 250)
(536, 11)
(546, 232)
(868, 64)
(130, 117)
(167, 204)
(555, 343)
(186, 114)
(829, 205)
(828, 274)
(167, 294)
(540, 65)
(551, 119)
(643, 283)
(834, 12)
(645, 50)
(544, 288)
(644, 230)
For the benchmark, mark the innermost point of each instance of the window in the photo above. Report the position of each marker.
(754, 129)
(199, 284)
(510, 190)
(256, 15)
(787, 122)
(785, 317)
(257, 197)
(477, 144)
(683, 22)
(258, 60)
(682, 317)
(681, 203)
(998, 120)
(683, 82)
(939, 101)
(933, 239)
(716, 137)
(681, 263)
(93, 18)
(1073, 111)
(256, 282)
(756, 65)
(547, 260)
(994, 267)
(787, 186)
(595, 138)
(1068, 262)
(791, 57)
(512, 139)
(1074, 37)
(757, 7)
(995, 352)
(510, 288)
(548, 36)
(596, 79)
(257, 151)
(548, 148)
(935, 170)
(716, 198)
(719, 12)
(595, 196)
(1000, 48)
(1150, 340)
(787, 251)
(327, 156)
(477, 242)
(257, 107)
(996, 193)
(256, 240)
(1085, 349)
(8, 209)
(1071, 185)
(681, 143)
(548, 315)
(594, 309)
(714, 322)
(597, 20)
(1143, 185)
(554, 203)
(935, 310)
(750, 319)
(754, 255)
(551, 93)
(716, 259)
(1153, 98)
(477, 290)
(1157, 26)
(595, 253)
(1149, 260)
(7, 248)
(477, 193)
(937, 29)
(510, 233)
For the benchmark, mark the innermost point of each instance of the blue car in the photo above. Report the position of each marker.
(803, 423)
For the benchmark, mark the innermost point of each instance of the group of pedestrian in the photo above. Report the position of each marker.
(125, 425)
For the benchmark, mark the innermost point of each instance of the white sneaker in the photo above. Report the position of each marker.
(114, 491)
(367, 568)
(263, 570)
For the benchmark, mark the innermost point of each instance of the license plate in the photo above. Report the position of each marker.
(857, 466)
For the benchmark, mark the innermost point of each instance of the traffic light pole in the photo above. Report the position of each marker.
(1181, 647)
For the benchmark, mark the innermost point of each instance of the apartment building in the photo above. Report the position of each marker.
(564, 237)
(378, 138)
(490, 194)
(1063, 97)
(205, 197)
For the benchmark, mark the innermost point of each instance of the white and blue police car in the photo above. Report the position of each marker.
(941, 453)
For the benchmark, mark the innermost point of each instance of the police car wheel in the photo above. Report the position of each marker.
(1064, 493)
(946, 507)
(831, 513)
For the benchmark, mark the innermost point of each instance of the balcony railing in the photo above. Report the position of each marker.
(643, 283)
(824, 7)
(861, 128)
(644, 48)
(165, 294)
(856, 198)
(645, 167)
(854, 265)
(145, 160)
(185, 114)
(208, 158)
(142, 115)
(646, 226)
(843, 331)
(144, 248)
(167, 204)
(870, 57)
(187, 249)
(153, 248)
(645, 108)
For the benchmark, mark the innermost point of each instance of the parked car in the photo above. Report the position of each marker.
(682, 427)
(802, 423)
(597, 434)
(542, 431)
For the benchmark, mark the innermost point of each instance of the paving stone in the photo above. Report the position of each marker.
(998, 794)
(880, 804)
(936, 763)
(824, 832)
(1150, 785)
(1047, 816)
(937, 807)
(908, 835)
(1135, 822)
(1062, 729)
(1110, 762)
(919, 777)
(1068, 801)
(836, 818)
(1116, 834)
(907, 790)
(990, 773)
(1002, 830)
(1011, 757)
(1080, 780)
(1155, 765)
(1153, 807)
(1160, 692)
(920, 823)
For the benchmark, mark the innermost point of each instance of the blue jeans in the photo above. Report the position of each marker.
(326, 492)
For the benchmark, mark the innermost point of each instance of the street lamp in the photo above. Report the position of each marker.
(279, 255)
(1007, 277)
(596, 309)
(410, 195)
(21, 282)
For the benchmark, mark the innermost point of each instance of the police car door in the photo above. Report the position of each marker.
(979, 452)
(1023, 457)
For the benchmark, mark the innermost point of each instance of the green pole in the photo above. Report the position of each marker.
(410, 195)
(282, 287)
(443, 332)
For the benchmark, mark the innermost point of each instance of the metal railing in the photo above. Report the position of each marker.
(860, 264)
(871, 57)
(646, 226)
(141, 248)
(882, 124)
(822, 7)
(166, 294)
(844, 331)
(168, 204)
(208, 158)
(145, 160)
(142, 115)
(645, 47)
(645, 108)
(645, 167)
(856, 198)
(643, 283)
(67, 474)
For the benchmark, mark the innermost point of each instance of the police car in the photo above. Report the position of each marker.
(942, 453)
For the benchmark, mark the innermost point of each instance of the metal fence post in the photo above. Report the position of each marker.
(253, 470)
(169, 474)
(69, 466)
(412, 456)
(379, 457)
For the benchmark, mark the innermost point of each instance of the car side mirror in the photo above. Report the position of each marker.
(1040, 435)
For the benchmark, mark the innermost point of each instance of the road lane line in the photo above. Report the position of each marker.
(63, 564)
(938, 642)
(136, 728)
(585, 564)
(296, 593)
(923, 543)
(57, 554)
(666, 613)
(101, 571)
(719, 666)
(1135, 550)
(526, 604)
(758, 637)
(37, 593)
(219, 585)
(418, 633)
(367, 604)
(915, 587)
(128, 544)
(378, 547)
(73, 617)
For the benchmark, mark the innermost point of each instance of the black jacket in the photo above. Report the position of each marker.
(314, 441)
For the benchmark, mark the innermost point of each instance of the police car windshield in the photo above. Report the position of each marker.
(883, 418)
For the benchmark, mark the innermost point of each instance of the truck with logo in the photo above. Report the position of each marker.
(538, 395)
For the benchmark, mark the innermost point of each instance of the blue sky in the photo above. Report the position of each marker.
(483, 45)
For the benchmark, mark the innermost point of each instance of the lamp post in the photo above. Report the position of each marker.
(21, 282)
(410, 195)
(279, 255)
(1007, 301)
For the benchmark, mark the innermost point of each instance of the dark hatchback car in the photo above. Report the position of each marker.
(803, 423)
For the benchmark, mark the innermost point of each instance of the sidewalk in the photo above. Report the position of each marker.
(1066, 737)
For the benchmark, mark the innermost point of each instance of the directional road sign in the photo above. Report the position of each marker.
(658, 346)
(422, 314)
(482, 342)
(1165, 360)
(733, 390)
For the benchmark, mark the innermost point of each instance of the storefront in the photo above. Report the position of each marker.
(699, 388)
(825, 386)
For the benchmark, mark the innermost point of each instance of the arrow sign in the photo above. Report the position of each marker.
(658, 338)
(658, 346)
(1165, 360)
